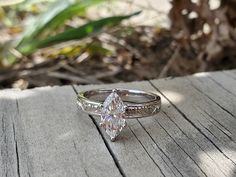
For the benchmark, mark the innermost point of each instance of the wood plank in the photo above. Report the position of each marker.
(193, 141)
(131, 156)
(59, 139)
(224, 81)
(230, 73)
(9, 164)
(158, 139)
(44, 134)
(171, 132)
(195, 108)
(226, 104)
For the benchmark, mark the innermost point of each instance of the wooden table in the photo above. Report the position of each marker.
(43, 134)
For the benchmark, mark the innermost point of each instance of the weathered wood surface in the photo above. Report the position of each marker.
(43, 134)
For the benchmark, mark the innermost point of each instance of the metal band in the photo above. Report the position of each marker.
(138, 103)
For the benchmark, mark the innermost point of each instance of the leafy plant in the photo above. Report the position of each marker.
(36, 36)
(48, 28)
(73, 33)
(57, 13)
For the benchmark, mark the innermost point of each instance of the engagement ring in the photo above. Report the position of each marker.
(114, 106)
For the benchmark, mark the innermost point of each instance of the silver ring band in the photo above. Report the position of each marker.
(114, 106)
(137, 103)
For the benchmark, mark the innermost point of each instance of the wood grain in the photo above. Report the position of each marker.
(208, 119)
(58, 139)
(9, 162)
(43, 134)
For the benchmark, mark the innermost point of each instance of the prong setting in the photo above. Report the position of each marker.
(101, 124)
(113, 139)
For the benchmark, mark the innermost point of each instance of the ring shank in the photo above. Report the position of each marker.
(138, 103)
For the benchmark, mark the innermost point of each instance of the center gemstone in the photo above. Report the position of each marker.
(112, 115)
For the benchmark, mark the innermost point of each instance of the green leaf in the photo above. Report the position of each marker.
(57, 13)
(75, 33)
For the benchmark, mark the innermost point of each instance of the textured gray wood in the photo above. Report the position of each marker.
(134, 158)
(58, 139)
(181, 155)
(8, 145)
(206, 116)
(216, 123)
(43, 134)
(214, 92)
(224, 81)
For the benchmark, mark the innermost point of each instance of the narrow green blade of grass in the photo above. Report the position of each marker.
(56, 15)
(75, 33)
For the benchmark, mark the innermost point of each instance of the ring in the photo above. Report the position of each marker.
(117, 105)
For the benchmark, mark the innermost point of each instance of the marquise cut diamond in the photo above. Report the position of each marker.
(112, 115)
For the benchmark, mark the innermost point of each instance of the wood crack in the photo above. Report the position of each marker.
(220, 85)
(18, 159)
(182, 149)
(73, 87)
(172, 163)
(192, 140)
(191, 122)
(219, 124)
(116, 161)
(229, 75)
(105, 142)
(4, 139)
(15, 140)
(213, 100)
(206, 128)
(17, 152)
(148, 153)
(77, 150)
(209, 131)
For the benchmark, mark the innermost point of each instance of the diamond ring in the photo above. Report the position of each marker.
(117, 105)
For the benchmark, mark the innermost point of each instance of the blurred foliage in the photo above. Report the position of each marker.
(57, 13)
(57, 42)
(48, 27)
(86, 30)
(205, 37)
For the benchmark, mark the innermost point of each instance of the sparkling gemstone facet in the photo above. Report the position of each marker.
(112, 115)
